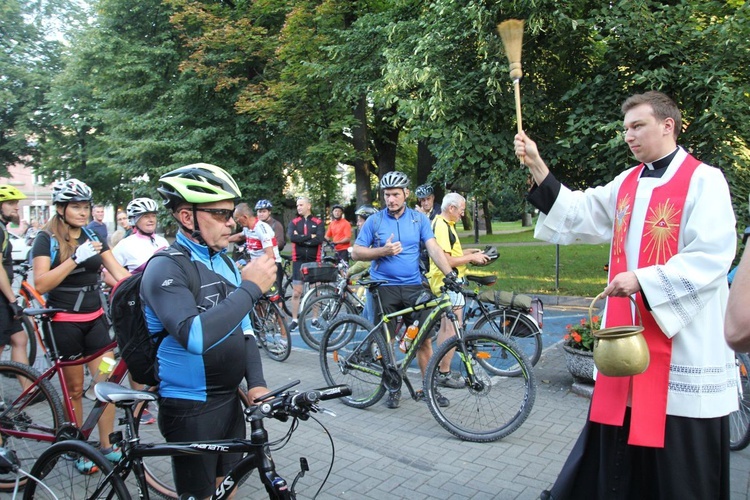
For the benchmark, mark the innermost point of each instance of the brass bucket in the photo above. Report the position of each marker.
(620, 351)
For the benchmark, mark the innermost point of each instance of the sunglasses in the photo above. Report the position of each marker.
(220, 214)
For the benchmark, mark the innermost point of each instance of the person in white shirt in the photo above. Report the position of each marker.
(258, 236)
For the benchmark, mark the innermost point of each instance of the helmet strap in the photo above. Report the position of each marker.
(196, 233)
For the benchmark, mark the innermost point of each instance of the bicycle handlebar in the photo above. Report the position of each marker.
(298, 404)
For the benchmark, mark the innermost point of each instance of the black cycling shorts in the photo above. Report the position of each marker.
(220, 417)
(76, 339)
(8, 324)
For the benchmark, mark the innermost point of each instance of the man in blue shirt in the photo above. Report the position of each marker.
(97, 224)
(391, 239)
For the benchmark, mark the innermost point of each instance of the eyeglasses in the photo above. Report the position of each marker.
(220, 214)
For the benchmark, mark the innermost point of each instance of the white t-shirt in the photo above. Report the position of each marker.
(258, 238)
(136, 249)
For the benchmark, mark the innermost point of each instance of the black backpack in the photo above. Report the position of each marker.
(137, 346)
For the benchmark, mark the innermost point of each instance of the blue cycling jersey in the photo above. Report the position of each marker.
(410, 229)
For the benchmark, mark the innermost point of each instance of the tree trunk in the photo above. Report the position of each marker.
(385, 140)
(487, 216)
(361, 166)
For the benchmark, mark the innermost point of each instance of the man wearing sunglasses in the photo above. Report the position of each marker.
(210, 345)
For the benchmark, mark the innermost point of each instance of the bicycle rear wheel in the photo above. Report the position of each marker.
(739, 421)
(28, 328)
(56, 469)
(38, 412)
(318, 314)
(271, 330)
(493, 406)
(519, 326)
(351, 354)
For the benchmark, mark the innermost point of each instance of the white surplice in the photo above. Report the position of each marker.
(688, 294)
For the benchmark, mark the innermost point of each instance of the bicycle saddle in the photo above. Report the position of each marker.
(482, 280)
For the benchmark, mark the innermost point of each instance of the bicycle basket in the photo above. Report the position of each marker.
(316, 272)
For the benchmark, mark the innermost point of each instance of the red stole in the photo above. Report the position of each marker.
(658, 245)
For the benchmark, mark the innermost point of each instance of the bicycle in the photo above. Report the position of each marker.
(271, 331)
(317, 314)
(488, 407)
(32, 418)
(281, 404)
(739, 421)
(28, 297)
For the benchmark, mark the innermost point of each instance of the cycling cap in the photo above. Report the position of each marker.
(197, 183)
(71, 190)
(9, 193)
(263, 205)
(365, 211)
(424, 191)
(140, 206)
(394, 179)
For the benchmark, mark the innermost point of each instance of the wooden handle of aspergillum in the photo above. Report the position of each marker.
(517, 90)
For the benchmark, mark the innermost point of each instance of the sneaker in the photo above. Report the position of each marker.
(86, 467)
(293, 326)
(113, 453)
(147, 418)
(442, 401)
(450, 380)
(394, 399)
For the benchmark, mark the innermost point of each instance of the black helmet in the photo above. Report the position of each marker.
(365, 211)
(337, 205)
(424, 191)
(394, 179)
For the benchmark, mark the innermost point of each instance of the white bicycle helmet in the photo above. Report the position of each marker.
(394, 179)
(365, 211)
(70, 190)
(423, 191)
(263, 205)
(140, 206)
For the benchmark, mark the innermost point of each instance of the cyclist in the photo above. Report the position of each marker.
(258, 236)
(263, 211)
(97, 224)
(426, 201)
(11, 331)
(66, 262)
(307, 234)
(136, 249)
(210, 345)
(339, 233)
(444, 227)
(391, 239)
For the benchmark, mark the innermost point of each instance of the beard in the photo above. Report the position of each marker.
(14, 218)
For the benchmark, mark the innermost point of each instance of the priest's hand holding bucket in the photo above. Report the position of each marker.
(620, 351)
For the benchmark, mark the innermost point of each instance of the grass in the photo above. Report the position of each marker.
(531, 268)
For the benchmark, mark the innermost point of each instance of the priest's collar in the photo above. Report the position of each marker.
(658, 167)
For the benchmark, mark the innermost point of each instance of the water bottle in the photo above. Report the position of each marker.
(105, 368)
(411, 332)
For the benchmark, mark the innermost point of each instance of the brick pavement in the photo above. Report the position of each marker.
(404, 453)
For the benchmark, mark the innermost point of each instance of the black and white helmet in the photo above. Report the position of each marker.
(424, 191)
(365, 211)
(394, 179)
(263, 205)
(70, 190)
(140, 206)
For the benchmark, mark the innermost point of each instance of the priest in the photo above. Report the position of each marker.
(669, 220)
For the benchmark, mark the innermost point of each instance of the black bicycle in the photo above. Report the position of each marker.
(739, 421)
(55, 469)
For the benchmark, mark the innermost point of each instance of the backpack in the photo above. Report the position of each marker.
(54, 246)
(137, 346)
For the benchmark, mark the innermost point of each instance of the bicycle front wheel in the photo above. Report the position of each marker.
(271, 330)
(519, 326)
(318, 314)
(739, 421)
(489, 406)
(28, 421)
(28, 328)
(58, 471)
(352, 354)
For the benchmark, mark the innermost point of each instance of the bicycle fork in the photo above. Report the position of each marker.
(473, 380)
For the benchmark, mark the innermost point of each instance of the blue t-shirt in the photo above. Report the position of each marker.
(410, 229)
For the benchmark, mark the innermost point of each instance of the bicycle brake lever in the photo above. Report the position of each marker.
(327, 412)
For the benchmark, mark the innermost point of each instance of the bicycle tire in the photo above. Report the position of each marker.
(739, 421)
(39, 411)
(517, 325)
(56, 468)
(356, 359)
(316, 290)
(497, 405)
(271, 330)
(318, 314)
(28, 328)
(158, 469)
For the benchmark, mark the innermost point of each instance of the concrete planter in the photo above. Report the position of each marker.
(580, 364)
